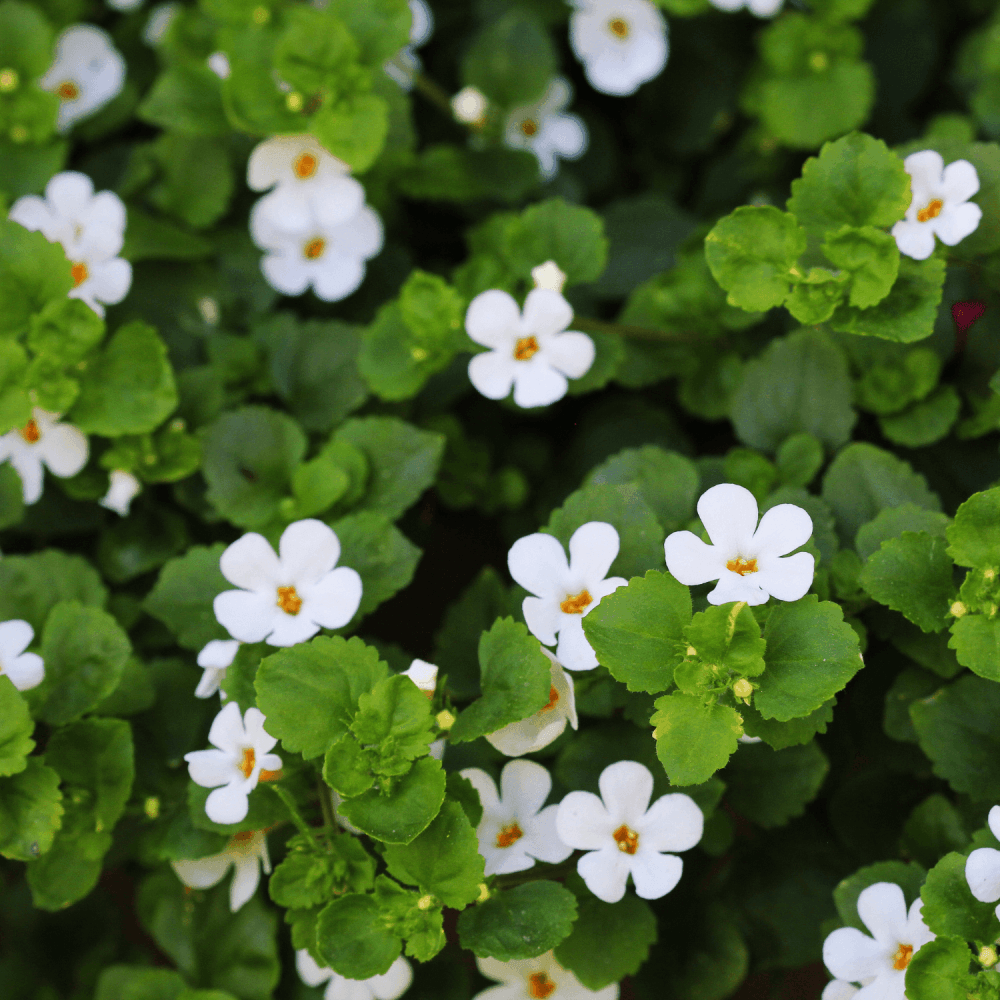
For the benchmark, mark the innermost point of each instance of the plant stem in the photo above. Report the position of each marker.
(434, 93)
(326, 804)
(588, 324)
(293, 810)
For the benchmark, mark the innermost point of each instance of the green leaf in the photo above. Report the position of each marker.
(129, 387)
(855, 181)
(693, 740)
(893, 521)
(310, 692)
(381, 28)
(957, 729)
(608, 941)
(515, 679)
(354, 129)
(863, 480)
(151, 238)
(84, 650)
(405, 809)
(186, 97)
(11, 497)
(798, 459)
(510, 60)
(519, 923)
(799, 384)
(870, 256)
(893, 381)
(308, 877)
(940, 971)
(33, 272)
(394, 719)
(950, 909)
(816, 294)
(65, 331)
(195, 181)
(443, 861)
(183, 595)
(30, 811)
(352, 938)
(729, 638)
(976, 641)
(907, 875)
(811, 654)
(925, 422)
(934, 828)
(140, 982)
(571, 235)
(409, 915)
(752, 252)
(974, 535)
(16, 727)
(794, 732)
(912, 574)
(248, 460)
(636, 631)
(770, 787)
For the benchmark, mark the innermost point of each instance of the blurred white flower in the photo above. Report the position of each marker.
(125, 5)
(87, 73)
(123, 489)
(218, 63)
(406, 63)
(545, 130)
(549, 276)
(25, 670)
(215, 658)
(469, 106)
(43, 441)
(621, 43)
(388, 986)
(531, 351)
(537, 979)
(158, 22)
(424, 675)
(762, 8)
(246, 853)
(940, 204)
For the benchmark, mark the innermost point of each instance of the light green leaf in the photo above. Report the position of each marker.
(974, 536)
(729, 638)
(693, 740)
(186, 97)
(309, 877)
(353, 129)
(940, 971)
(816, 295)
(16, 727)
(949, 909)
(870, 256)
(195, 181)
(976, 641)
(33, 272)
(394, 720)
(139, 982)
(31, 811)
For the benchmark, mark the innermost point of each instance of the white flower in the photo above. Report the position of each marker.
(241, 760)
(331, 258)
(388, 986)
(215, 657)
(762, 8)
(406, 63)
(159, 20)
(622, 837)
(838, 989)
(124, 4)
(424, 675)
(286, 599)
(469, 106)
(43, 441)
(547, 724)
(528, 978)
(621, 43)
(87, 73)
(533, 351)
(513, 833)
(218, 63)
(545, 130)
(745, 557)
(880, 961)
(549, 275)
(940, 204)
(982, 869)
(91, 229)
(311, 186)
(246, 853)
(565, 591)
(25, 670)
(123, 489)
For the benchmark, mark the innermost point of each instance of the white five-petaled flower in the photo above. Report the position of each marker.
(982, 869)
(246, 853)
(286, 599)
(623, 837)
(531, 351)
(535, 978)
(750, 561)
(762, 8)
(388, 986)
(242, 758)
(311, 186)
(546, 130)
(424, 675)
(87, 73)
(214, 658)
(515, 831)
(43, 441)
(940, 204)
(879, 962)
(91, 230)
(565, 591)
(25, 670)
(547, 724)
(122, 490)
(406, 63)
(621, 43)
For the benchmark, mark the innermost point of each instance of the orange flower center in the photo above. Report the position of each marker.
(525, 348)
(289, 601)
(508, 835)
(553, 699)
(902, 957)
(626, 839)
(540, 986)
(31, 433)
(79, 274)
(248, 762)
(305, 165)
(619, 27)
(68, 90)
(313, 250)
(529, 127)
(266, 775)
(742, 566)
(575, 603)
(931, 210)
(243, 837)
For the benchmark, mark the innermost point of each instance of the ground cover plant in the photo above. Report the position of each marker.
(499, 499)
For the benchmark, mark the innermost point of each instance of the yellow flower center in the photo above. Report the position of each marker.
(248, 762)
(509, 834)
(553, 700)
(931, 210)
(68, 90)
(30, 432)
(529, 127)
(575, 603)
(314, 249)
(79, 274)
(742, 566)
(289, 601)
(902, 957)
(618, 27)
(540, 986)
(305, 165)
(626, 839)
(525, 348)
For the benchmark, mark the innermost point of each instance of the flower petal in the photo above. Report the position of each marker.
(982, 872)
(605, 873)
(492, 373)
(787, 578)
(961, 181)
(782, 529)
(27, 463)
(203, 873)
(227, 731)
(994, 821)
(655, 874)
(26, 671)
(837, 989)
(529, 735)
(672, 823)
(537, 384)
(593, 547)
(284, 272)
(228, 804)
(69, 193)
(336, 276)
(308, 550)
(246, 878)
(854, 956)
(733, 587)
(924, 167)
(546, 312)
(729, 513)
(333, 601)
(543, 618)
(915, 239)
(882, 910)
(493, 320)
(538, 563)
(957, 222)
(247, 616)
(15, 637)
(290, 630)
(583, 822)
(524, 787)
(309, 972)
(393, 983)
(251, 563)
(64, 450)
(690, 560)
(218, 653)
(541, 840)
(210, 768)
(486, 787)
(571, 353)
(626, 787)
(574, 652)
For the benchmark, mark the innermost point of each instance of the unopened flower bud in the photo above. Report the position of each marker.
(469, 106)
(445, 719)
(742, 688)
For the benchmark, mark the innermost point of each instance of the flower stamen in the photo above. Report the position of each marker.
(575, 603)
(553, 699)
(618, 27)
(626, 839)
(248, 762)
(902, 957)
(79, 274)
(314, 249)
(525, 349)
(68, 90)
(30, 432)
(529, 127)
(305, 166)
(540, 986)
(931, 210)
(289, 601)
(742, 566)
(266, 775)
(509, 835)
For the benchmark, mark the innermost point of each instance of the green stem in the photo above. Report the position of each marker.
(326, 805)
(293, 810)
(588, 324)
(434, 93)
